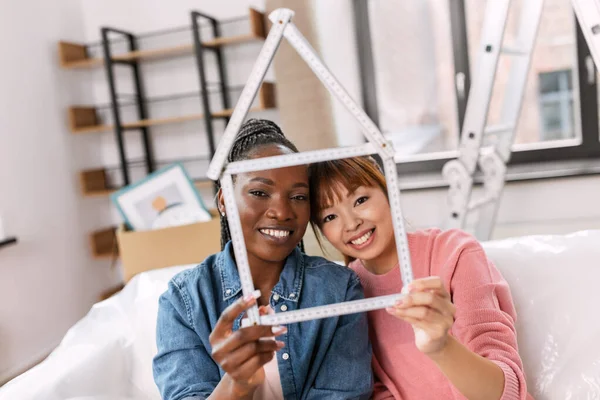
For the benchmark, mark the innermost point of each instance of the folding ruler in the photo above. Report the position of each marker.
(492, 160)
(219, 169)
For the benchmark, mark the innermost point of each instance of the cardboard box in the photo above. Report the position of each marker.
(187, 244)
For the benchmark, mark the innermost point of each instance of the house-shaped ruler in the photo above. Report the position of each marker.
(219, 169)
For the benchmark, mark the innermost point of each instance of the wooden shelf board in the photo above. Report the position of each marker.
(99, 193)
(81, 64)
(92, 129)
(160, 121)
(105, 256)
(229, 40)
(155, 54)
(225, 113)
(103, 243)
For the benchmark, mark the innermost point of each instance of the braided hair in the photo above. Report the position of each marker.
(254, 134)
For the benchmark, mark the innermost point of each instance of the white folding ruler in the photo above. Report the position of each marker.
(220, 169)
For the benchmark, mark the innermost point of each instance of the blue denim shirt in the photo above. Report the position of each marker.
(322, 359)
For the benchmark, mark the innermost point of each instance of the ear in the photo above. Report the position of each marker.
(221, 202)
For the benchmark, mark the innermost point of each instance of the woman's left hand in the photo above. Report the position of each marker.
(428, 308)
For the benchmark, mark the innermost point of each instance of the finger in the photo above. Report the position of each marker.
(227, 318)
(247, 370)
(427, 299)
(262, 310)
(242, 336)
(434, 331)
(418, 312)
(249, 350)
(436, 327)
(429, 283)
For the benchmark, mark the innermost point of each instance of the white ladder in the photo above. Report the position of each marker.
(492, 160)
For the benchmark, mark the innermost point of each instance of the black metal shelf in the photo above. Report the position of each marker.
(163, 32)
(85, 119)
(8, 241)
(169, 97)
(139, 98)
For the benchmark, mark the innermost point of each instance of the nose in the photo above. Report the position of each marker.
(351, 222)
(280, 209)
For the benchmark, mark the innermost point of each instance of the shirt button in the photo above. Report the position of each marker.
(292, 295)
(284, 308)
(275, 297)
(228, 291)
(285, 356)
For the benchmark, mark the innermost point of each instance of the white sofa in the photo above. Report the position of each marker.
(108, 354)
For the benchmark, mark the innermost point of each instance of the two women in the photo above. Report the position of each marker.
(451, 337)
(203, 352)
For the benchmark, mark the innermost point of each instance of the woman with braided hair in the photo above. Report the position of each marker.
(202, 350)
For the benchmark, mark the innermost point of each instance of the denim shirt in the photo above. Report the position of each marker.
(326, 358)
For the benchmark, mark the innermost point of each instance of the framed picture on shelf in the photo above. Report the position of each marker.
(165, 198)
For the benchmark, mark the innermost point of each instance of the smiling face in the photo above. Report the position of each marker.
(351, 209)
(359, 223)
(274, 207)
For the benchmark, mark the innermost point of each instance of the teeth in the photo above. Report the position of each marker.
(275, 233)
(362, 239)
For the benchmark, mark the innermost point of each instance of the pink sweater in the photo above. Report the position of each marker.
(485, 319)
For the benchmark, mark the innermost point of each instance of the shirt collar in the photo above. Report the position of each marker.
(290, 281)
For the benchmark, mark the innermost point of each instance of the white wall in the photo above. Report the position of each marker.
(48, 280)
(548, 206)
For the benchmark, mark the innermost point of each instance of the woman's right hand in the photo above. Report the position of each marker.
(242, 354)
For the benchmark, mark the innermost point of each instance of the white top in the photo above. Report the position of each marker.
(271, 388)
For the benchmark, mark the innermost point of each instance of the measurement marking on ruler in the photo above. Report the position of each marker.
(239, 247)
(327, 311)
(377, 144)
(249, 92)
(307, 157)
(309, 55)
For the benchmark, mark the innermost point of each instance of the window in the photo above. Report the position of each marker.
(423, 53)
(554, 51)
(411, 44)
(556, 105)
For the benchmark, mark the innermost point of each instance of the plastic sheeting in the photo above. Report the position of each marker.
(108, 354)
(105, 356)
(554, 282)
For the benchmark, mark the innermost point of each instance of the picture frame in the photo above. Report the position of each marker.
(165, 198)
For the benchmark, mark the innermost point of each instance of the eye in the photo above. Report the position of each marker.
(258, 193)
(361, 200)
(329, 218)
(300, 197)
